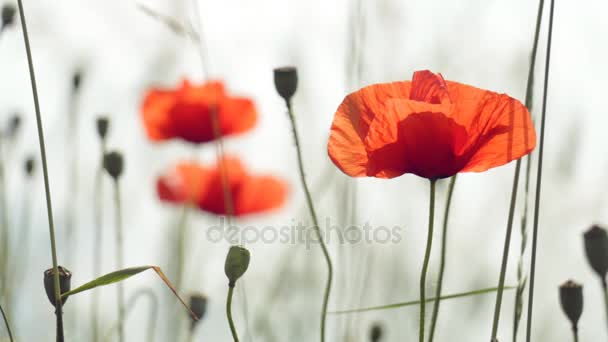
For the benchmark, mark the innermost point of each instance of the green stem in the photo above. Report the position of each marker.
(444, 239)
(539, 174)
(4, 291)
(49, 206)
(97, 243)
(427, 256)
(8, 327)
(605, 291)
(150, 335)
(229, 313)
(505, 252)
(181, 246)
(314, 218)
(575, 333)
(120, 262)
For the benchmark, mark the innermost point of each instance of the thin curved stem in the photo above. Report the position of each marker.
(539, 174)
(8, 327)
(427, 257)
(605, 291)
(314, 218)
(229, 313)
(152, 317)
(49, 206)
(444, 239)
(97, 243)
(4, 290)
(120, 261)
(575, 333)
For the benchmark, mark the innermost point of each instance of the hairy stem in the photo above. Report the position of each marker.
(229, 313)
(49, 206)
(444, 239)
(314, 218)
(427, 257)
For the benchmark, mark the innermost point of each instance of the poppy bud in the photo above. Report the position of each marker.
(29, 166)
(8, 15)
(76, 80)
(596, 248)
(571, 298)
(198, 305)
(113, 163)
(102, 123)
(286, 82)
(13, 125)
(237, 263)
(376, 332)
(64, 283)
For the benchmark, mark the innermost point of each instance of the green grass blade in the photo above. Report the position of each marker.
(417, 302)
(120, 275)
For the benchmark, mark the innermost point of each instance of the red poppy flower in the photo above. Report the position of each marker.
(189, 182)
(185, 112)
(429, 127)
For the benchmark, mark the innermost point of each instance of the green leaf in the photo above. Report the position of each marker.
(417, 302)
(120, 275)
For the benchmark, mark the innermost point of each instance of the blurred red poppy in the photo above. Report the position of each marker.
(185, 112)
(428, 127)
(202, 185)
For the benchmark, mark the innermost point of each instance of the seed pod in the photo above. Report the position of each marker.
(286, 82)
(596, 248)
(237, 263)
(376, 332)
(102, 124)
(198, 305)
(8, 15)
(64, 283)
(29, 166)
(571, 299)
(113, 163)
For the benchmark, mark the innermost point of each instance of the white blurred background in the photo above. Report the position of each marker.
(338, 46)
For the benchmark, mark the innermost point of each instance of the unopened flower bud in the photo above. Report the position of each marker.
(14, 124)
(286, 82)
(8, 15)
(64, 283)
(198, 305)
(102, 124)
(113, 163)
(376, 332)
(29, 165)
(596, 248)
(76, 80)
(237, 263)
(571, 298)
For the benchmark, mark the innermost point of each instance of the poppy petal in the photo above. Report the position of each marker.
(237, 115)
(259, 194)
(155, 113)
(429, 87)
(183, 183)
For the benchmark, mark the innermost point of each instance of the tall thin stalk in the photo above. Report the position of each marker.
(444, 239)
(507, 243)
(97, 243)
(314, 218)
(229, 314)
(539, 173)
(427, 256)
(47, 189)
(4, 225)
(8, 326)
(120, 261)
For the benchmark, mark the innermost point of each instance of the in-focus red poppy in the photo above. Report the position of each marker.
(201, 185)
(428, 127)
(185, 112)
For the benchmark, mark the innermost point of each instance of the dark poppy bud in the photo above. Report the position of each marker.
(198, 305)
(286, 82)
(8, 15)
(237, 263)
(76, 80)
(64, 283)
(376, 332)
(571, 298)
(596, 248)
(29, 166)
(14, 124)
(102, 124)
(113, 163)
